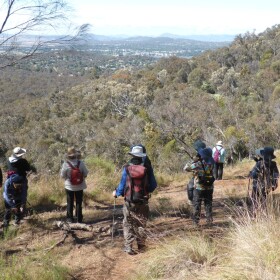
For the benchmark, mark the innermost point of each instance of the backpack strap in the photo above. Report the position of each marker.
(71, 165)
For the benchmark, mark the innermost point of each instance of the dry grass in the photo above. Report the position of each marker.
(179, 258)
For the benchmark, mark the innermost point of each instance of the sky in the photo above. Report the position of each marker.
(180, 17)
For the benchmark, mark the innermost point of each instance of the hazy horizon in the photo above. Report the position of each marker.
(179, 17)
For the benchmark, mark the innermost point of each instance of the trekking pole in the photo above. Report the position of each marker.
(113, 225)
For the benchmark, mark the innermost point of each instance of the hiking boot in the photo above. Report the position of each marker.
(209, 221)
(129, 251)
(70, 220)
(5, 224)
(195, 223)
(142, 248)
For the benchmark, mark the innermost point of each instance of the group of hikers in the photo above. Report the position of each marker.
(136, 185)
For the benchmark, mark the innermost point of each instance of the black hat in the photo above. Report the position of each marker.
(267, 153)
(198, 144)
(206, 155)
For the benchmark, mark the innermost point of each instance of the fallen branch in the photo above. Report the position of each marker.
(58, 243)
(77, 226)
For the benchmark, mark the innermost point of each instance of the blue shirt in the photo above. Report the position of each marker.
(12, 196)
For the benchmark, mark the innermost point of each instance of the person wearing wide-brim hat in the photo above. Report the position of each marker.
(18, 164)
(265, 176)
(219, 154)
(203, 184)
(74, 186)
(136, 198)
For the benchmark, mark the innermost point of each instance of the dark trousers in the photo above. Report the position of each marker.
(78, 196)
(207, 197)
(259, 194)
(190, 189)
(8, 213)
(218, 170)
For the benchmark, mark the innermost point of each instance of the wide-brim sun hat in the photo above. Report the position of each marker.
(19, 152)
(219, 143)
(71, 152)
(206, 155)
(258, 152)
(137, 151)
(267, 153)
(198, 144)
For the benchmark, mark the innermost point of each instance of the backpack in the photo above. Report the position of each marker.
(206, 179)
(217, 155)
(136, 184)
(76, 176)
(266, 175)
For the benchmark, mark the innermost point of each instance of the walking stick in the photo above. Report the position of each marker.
(113, 219)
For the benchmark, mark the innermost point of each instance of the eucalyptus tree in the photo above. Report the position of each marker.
(22, 23)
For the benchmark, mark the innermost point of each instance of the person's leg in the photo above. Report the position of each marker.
(128, 229)
(197, 206)
(7, 215)
(215, 171)
(190, 189)
(142, 213)
(208, 198)
(79, 205)
(18, 214)
(220, 170)
(70, 205)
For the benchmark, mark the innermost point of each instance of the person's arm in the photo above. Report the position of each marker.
(1, 178)
(255, 171)
(8, 194)
(121, 186)
(24, 195)
(63, 172)
(275, 177)
(83, 169)
(152, 181)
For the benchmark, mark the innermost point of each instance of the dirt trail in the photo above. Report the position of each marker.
(96, 256)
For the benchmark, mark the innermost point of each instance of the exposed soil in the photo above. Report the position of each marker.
(98, 254)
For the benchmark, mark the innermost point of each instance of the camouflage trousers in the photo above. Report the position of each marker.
(134, 223)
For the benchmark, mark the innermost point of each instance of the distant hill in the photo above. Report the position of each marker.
(203, 38)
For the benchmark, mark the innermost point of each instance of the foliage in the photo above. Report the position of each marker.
(165, 106)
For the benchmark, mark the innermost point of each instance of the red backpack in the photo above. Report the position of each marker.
(136, 183)
(217, 154)
(76, 177)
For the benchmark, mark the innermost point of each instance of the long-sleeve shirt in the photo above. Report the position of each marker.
(12, 196)
(65, 173)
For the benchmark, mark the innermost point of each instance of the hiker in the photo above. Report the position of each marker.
(137, 182)
(74, 172)
(203, 184)
(265, 176)
(19, 165)
(15, 196)
(198, 144)
(218, 154)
